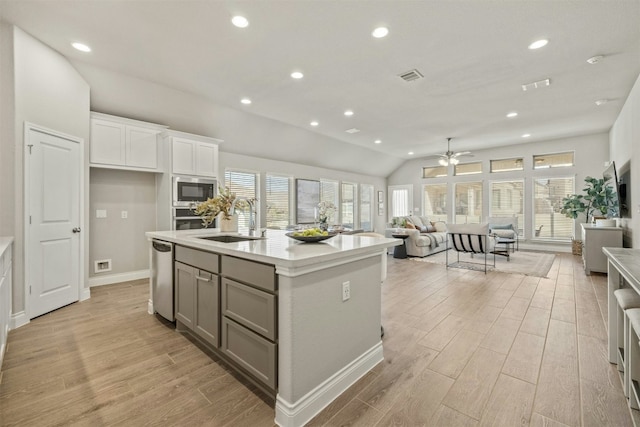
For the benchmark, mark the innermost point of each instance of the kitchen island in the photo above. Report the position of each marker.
(302, 320)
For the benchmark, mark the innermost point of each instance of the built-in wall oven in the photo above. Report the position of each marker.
(186, 219)
(189, 190)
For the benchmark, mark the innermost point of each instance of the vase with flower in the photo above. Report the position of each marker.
(325, 211)
(220, 207)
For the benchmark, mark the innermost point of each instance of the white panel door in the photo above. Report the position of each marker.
(53, 263)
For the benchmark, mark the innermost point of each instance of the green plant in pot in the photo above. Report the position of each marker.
(598, 198)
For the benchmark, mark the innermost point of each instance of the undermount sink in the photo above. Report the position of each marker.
(230, 239)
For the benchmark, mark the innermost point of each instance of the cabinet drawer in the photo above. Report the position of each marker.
(252, 352)
(249, 307)
(260, 275)
(200, 259)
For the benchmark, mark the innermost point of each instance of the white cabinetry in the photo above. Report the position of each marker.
(5, 291)
(120, 143)
(194, 156)
(593, 240)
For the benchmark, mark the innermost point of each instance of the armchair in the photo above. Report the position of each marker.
(504, 228)
(471, 239)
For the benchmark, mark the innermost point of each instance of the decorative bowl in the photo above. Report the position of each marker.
(311, 239)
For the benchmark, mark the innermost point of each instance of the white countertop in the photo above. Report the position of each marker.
(4, 243)
(279, 249)
(627, 261)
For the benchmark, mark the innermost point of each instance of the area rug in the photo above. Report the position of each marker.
(521, 262)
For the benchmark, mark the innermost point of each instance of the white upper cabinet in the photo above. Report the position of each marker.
(193, 154)
(120, 143)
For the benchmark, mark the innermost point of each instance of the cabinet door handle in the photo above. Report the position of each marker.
(204, 279)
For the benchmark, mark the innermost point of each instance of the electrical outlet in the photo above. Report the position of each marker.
(101, 213)
(124, 214)
(346, 291)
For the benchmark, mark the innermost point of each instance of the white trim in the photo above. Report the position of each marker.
(85, 294)
(118, 277)
(19, 319)
(308, 406)
(28, 126)
(150, 306)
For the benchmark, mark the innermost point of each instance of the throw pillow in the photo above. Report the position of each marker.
(410, 226)
(439, 226)
(415, 220)
(430, 229)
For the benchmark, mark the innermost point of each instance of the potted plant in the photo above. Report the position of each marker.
(219, 205)
(598, 197)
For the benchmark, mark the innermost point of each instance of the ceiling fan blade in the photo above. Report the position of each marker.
(463, 153)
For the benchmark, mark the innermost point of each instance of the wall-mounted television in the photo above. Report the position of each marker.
(610, 177)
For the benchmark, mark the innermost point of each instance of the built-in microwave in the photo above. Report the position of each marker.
(189, 190)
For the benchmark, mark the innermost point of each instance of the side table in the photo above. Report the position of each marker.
(401, 250)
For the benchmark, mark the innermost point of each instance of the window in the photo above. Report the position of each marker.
(366, 207)
(468, 168)
(558, 160)
(278, 207)
(400, 200)
(434, 172)
(434, 201)
(244, 184)
(507, 200)
(506, 165)
(348, 204)
(548, 222)
(468, 203)
(329, 193)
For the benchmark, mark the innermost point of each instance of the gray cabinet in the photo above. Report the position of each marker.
(593, 240)
(197, 293)
(249, 313)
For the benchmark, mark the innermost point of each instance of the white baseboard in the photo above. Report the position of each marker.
(150, 306)
(19, 319)
(85, 294)
(308, 406)
(117, 278)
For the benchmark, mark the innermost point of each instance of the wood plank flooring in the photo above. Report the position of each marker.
(461, 349)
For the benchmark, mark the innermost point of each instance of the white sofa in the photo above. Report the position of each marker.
(426, 240)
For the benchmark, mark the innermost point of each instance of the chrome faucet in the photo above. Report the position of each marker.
(252, 212)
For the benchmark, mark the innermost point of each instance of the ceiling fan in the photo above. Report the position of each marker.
(451, 157)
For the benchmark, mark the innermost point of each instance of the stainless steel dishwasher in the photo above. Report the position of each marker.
(162, 278)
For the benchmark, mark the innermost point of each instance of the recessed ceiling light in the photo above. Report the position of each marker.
(600, 102)
(240, 21)
(297, 75)
(377, 141)
(526, 135)
(352, 130)
(314, 123)
(245, 101)
(348, 113)
(538, 44)
(410, 153)
(380, 32)
(81, 47)
(512, 114)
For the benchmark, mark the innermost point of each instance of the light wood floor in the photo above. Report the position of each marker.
(461, 349)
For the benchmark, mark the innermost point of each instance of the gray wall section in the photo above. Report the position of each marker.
(48, 92)
(625, 151)
(121, 240)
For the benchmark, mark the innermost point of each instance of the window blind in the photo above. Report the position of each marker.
(366, 207)
(278, 205)
(507, 200)
(468, 203)
(347, 204)
(434, 202)
(243, 184)
(329, 193)
(548, 222)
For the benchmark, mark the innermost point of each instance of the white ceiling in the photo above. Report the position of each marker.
(473, 55)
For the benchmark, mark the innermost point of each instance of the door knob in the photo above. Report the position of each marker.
(76, 230)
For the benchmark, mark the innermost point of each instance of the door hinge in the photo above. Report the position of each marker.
(30, 147)
(29, 289)
(29, 219)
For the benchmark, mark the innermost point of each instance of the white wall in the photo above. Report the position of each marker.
(48, 92)
(264, 166)
(591, 151)
(624, 140)
(121, 239)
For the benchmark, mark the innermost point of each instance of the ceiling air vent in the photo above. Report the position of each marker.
(352, 130)
(536, 85)
(411, 75)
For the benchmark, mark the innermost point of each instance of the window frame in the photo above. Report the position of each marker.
(522, 215)
(256, 175)
(455, 202)
(533, 210)
(455, 168)
(290, 208)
